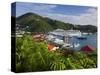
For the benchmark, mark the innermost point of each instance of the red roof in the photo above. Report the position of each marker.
(38, 37)
(50, 47)
(87, 48)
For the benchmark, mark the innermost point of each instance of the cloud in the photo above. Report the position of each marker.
(22, 8)
(47, 10)
(90, 17)
(43, 7)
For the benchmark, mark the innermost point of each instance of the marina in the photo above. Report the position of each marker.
(74, 41)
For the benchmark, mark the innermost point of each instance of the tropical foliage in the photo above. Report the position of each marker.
(34, 56)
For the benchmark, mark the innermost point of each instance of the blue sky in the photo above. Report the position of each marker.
(67, 13)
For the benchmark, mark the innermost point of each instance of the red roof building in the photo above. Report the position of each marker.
(87, 48)
(52, 47)
(38, 37)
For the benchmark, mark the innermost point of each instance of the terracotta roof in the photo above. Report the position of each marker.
(87, 48)
(38, 37)
(50, 47)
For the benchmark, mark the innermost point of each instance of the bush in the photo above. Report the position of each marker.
(34, 56)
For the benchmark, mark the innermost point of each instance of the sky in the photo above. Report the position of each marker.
(82, 15)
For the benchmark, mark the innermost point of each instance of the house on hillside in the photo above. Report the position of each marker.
(88, 48)
(38, 37)
(52, 47)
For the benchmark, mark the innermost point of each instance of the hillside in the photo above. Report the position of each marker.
(36, 23)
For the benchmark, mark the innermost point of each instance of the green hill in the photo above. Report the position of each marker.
(36, 23)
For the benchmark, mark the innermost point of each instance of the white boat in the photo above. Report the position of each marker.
(68, 33)
(58, 41)
(67, 46)
(82, 37)
(85, 33)
(72, 33)
(76, 45)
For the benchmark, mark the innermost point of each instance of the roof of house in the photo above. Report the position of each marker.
(87, 48)
(38, 37)
(50, 47)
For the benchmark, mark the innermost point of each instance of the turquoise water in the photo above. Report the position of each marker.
(91, 40)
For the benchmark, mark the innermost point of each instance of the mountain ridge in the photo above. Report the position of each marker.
(37, 23)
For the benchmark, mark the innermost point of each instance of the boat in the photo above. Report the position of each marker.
(67, 46)
(84, 33)
(76, 45)
(82, 38)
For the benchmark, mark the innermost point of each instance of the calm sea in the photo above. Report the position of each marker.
(91, 40)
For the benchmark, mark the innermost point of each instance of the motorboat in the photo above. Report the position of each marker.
(67, 46)
(82, 37)
(76, 45)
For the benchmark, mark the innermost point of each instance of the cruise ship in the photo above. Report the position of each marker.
(69, 33)
(62, 37)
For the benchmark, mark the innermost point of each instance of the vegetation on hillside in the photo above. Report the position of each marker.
(35, 23)
(34, 56)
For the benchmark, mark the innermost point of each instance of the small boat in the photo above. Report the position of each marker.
(84, 33)
(67, 46)
(82, 38)
(76, 45)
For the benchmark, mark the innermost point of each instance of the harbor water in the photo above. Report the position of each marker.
(90, 40)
